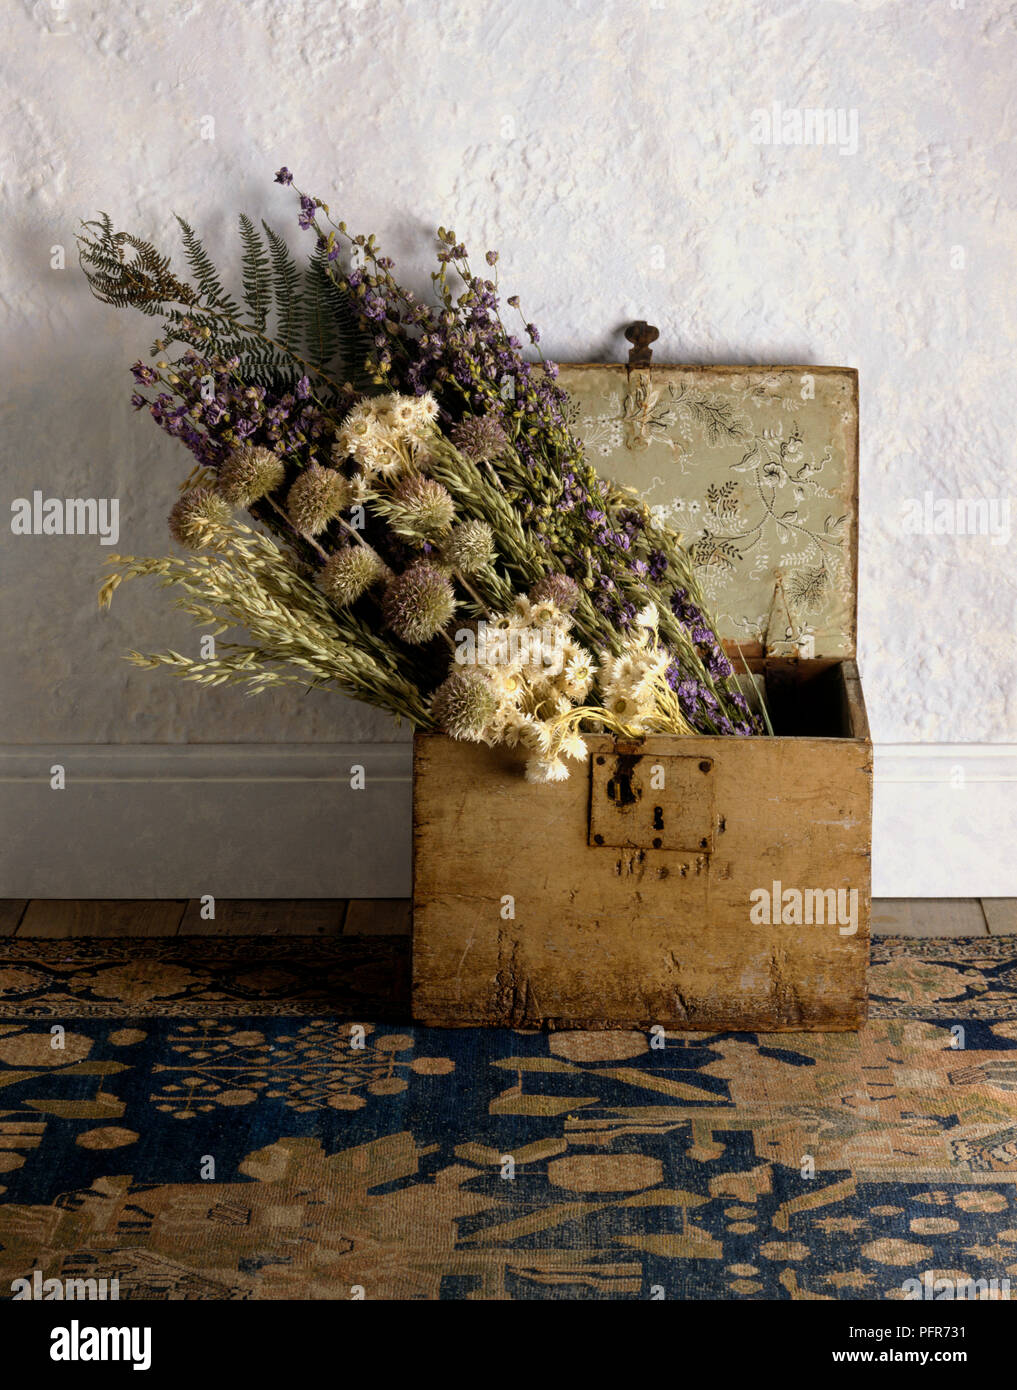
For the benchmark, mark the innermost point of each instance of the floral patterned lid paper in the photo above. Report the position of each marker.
(758, 468)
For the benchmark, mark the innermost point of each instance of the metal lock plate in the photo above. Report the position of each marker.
(645, 801)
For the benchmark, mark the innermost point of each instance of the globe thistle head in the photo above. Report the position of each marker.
(199, 519)
(420, 508)
(470, 547)
(464, 704)
(316, 497)
(248, 474)
(558, 589)
(419, 602)
(480, 437)
(349, 573)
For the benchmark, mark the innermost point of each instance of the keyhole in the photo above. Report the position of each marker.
(619, 789)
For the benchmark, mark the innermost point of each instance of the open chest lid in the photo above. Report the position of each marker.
(757, 467)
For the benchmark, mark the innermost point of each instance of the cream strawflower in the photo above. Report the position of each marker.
(373, 435)
(546, 770)
(427, 407)
(501, 646)
(360, 435)
(578, 673)
(648, 617)
(361, 490)
(535, 734)
(512, 722)
(507, 682)
(519, 614)
(399, 411)
(573, 745)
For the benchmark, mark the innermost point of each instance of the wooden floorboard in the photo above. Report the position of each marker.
(58, 917)
(11, 912)
(69, 917)
(379, 917)
(1001, 915)
(265, 917)
(891, 917)
(928, 917)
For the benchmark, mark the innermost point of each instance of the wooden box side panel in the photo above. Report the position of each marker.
(519, 921)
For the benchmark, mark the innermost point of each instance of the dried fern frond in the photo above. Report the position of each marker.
(143, 281)
(289, 324)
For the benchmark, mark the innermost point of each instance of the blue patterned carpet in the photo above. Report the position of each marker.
(208, 1130)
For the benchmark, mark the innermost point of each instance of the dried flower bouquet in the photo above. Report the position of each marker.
(430, 536)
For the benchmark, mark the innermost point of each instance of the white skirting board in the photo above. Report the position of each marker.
(230, 820)
(945, 820)
(291, 821)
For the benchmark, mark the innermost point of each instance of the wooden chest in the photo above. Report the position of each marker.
(696, 883)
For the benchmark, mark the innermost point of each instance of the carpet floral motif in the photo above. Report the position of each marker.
(311, 1157)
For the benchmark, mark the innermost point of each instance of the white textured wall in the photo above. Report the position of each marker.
(605, 149)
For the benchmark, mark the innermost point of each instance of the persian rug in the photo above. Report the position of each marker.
(249, 1119)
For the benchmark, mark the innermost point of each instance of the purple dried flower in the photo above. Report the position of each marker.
(144, 376)
(558, 589)
(658, 565)
(283, 176)
(480, 437)
(718, 664)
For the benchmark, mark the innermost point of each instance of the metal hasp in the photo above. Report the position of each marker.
(641, 335)
(645, 801)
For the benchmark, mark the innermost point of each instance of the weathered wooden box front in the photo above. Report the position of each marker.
(696, 883)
